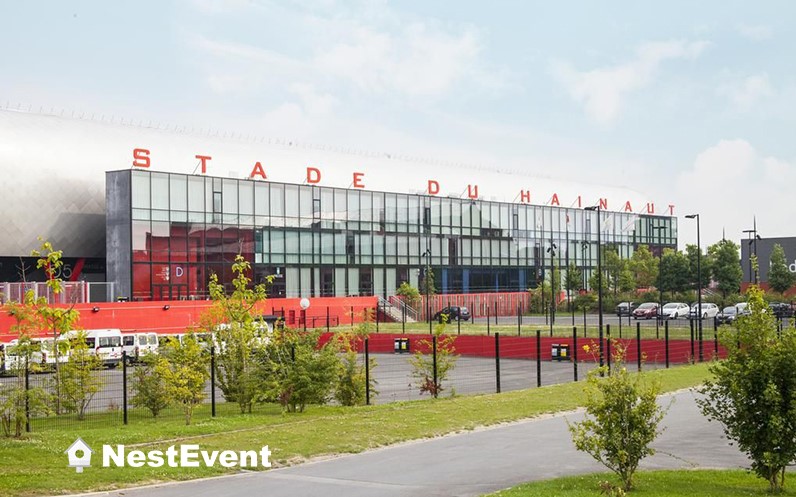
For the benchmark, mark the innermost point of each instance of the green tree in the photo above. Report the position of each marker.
(185, 372)
(573, 280)
(705, 263)
(726, 266)
(410, 294)
(752, 390)
(673, 275)
(612, 267)
(351, 377)
(779, 276)
(16, 401)
(427, 285)
(627, 282)
(644, 267)
(239, 330)
(296, 371)
(150, 389)
(423, 361)
(79, 381)
(622, 418)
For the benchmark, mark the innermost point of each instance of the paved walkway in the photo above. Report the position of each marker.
(467, 464)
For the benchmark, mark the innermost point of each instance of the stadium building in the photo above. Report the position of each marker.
(157, 211)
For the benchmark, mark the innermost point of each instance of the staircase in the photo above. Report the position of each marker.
(397, 310)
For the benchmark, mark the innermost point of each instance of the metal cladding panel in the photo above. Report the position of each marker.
(53, 170)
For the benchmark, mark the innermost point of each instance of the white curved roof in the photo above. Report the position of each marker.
(53, 169)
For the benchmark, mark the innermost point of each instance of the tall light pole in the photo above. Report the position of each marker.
(753, 238)
(552, 251)
(660, 271)
(427, 255)
(599, 282)
(699, 283)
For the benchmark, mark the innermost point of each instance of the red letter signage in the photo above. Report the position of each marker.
(628, 208)
(258, 170)
(604, 203)
(204, 159)
(313, 175)
(433, 187)
(358, 180)
(472, 191)
(141, 157)
(525, 196)
(650, 208)
(671, 209)
(554, 200)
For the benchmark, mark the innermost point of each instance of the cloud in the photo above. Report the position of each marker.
(748, 92)
(601, 91)
(742, 183)
(755, 32)
(379, 55)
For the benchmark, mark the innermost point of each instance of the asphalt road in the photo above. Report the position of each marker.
(467, 464)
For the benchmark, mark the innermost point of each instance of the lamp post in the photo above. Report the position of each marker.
(552, 251)
(599, 283)
(699, 283)
(753, 238)
(427, 255)
(660, 271)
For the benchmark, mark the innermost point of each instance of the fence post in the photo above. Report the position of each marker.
(638, 344)
(715, 338)
(608, 347)
(666, 342)
(575, 352)
(327, 319)
(519, 319)
(584, 321)
(213, 380)
(378, 306)
(620, 327)
(497, 361)
(691, 321)
(487, 320)
(124, 385)
(403, 316)
(434, 354)
(27, 395)
(496, 313)
(538, 358)
(367, 372)
(352, 316)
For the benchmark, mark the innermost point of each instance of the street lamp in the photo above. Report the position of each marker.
(699, 282)
(753, 238)
(552, 251)
(427, 255)
(599, 283)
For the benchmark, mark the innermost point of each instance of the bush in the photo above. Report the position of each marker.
(351, 384)
(622, 418)
(150, 390)
(752, 393)
(423, 363)
(78, 382)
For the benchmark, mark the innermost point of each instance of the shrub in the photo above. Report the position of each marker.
(423, 364)
(752, 391)
(149, 386)
(622, 418)
(78, 382)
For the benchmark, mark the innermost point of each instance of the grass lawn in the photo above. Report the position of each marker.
(678, 329)
(685, 483)
(36, 465)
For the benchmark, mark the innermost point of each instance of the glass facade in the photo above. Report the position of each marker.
(324, 241)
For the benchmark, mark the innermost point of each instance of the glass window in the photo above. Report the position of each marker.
(141, 239)
(196, 194)
(291, 242)
(140, 190)
(366, 208)
(353, 205)
(261, 199)
(291, 201)
(277, 200)
(160, 191)
(178, 190)
(230, 196)
(246, 200)
(277, 242)
(327, 243)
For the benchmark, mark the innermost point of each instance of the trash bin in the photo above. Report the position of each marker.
(560, 352)
(401, 345)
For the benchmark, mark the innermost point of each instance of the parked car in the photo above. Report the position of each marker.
(729, 314)
(452, 312)
(625, 308)
(139, 345)
(781, 309)
(674, 310)
(647, 310)
(104, 343)
(708, 310)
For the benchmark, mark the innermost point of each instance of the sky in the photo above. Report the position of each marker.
(693, 103)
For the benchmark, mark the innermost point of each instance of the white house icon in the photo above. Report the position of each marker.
(79, 455)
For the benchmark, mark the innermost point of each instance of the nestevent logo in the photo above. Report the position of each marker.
(181, 456)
